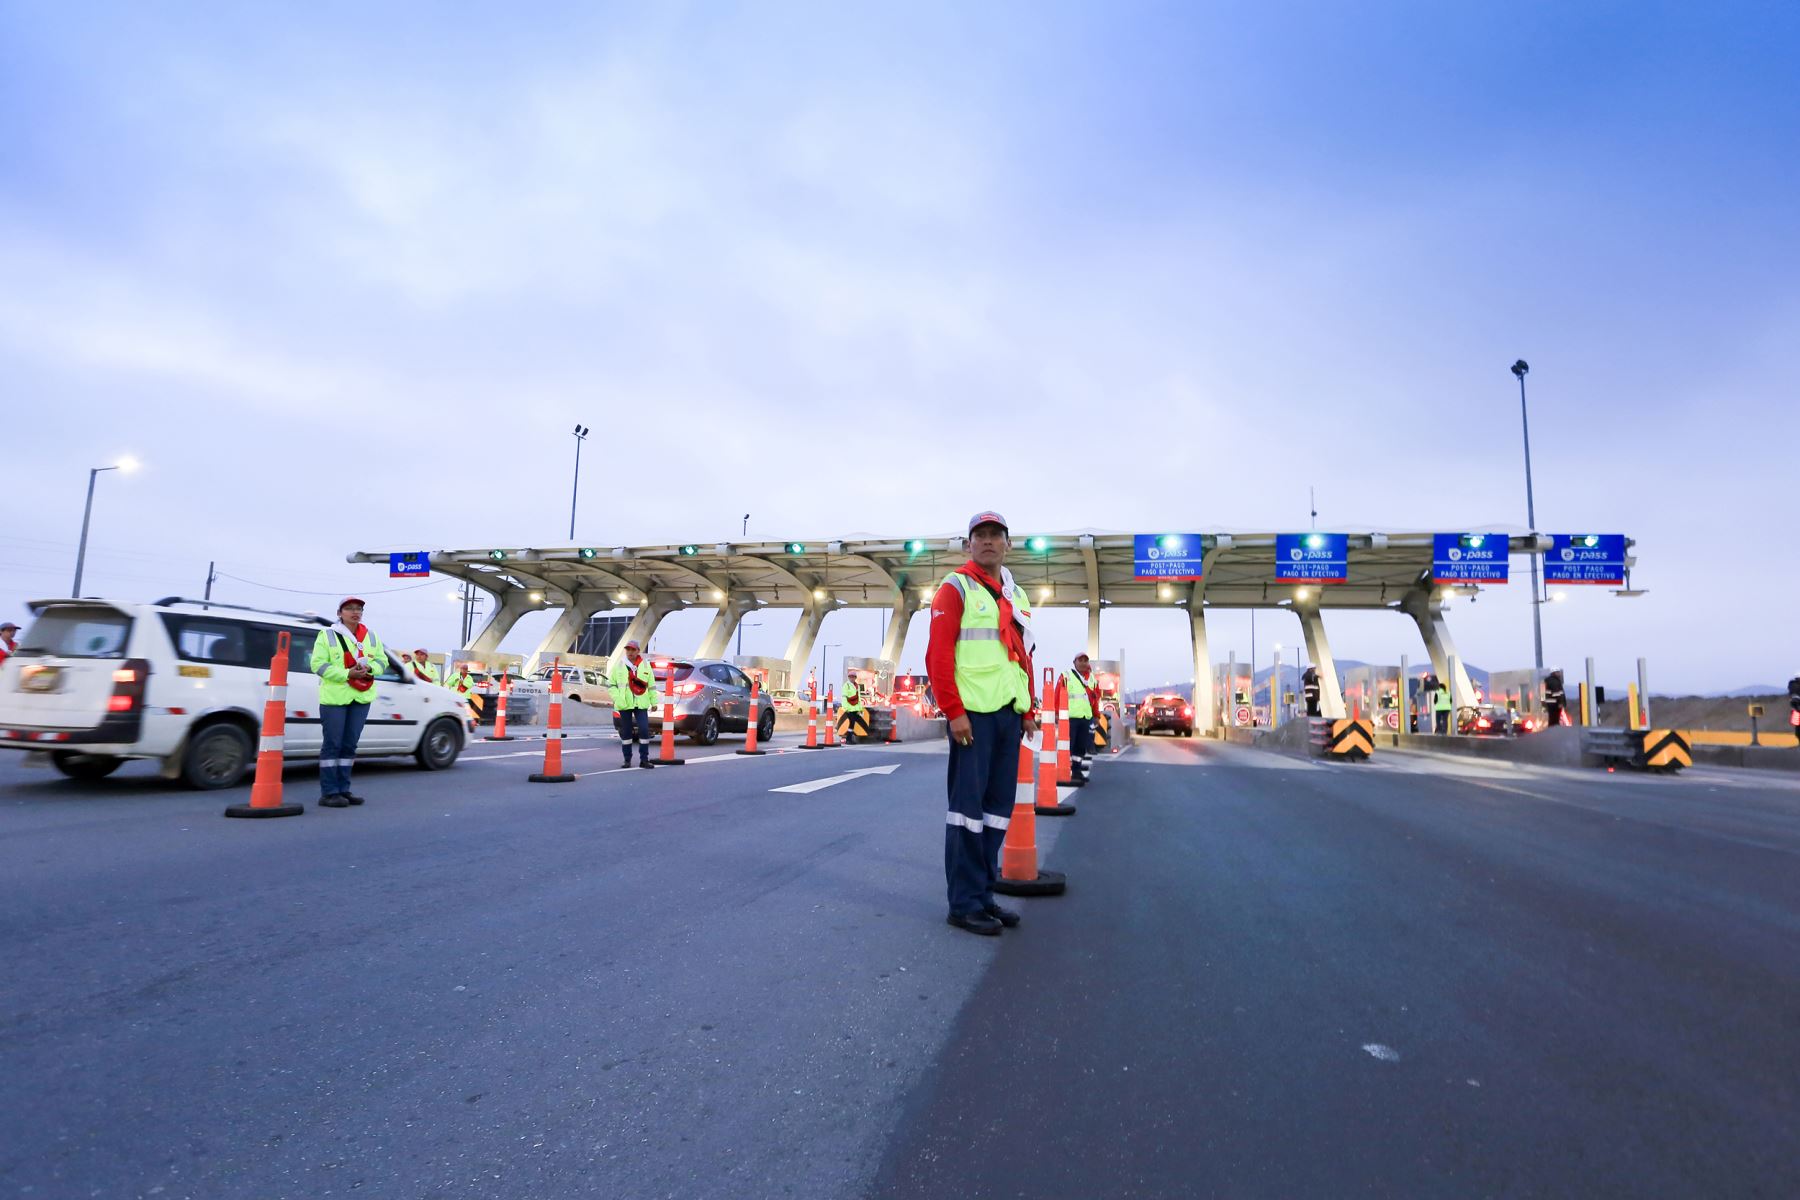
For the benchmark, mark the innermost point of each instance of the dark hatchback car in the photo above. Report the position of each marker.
(1171, 712)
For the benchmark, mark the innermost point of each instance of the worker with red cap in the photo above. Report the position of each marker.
(419, 663)
(979, 662)
(346, 658)
(9, 640)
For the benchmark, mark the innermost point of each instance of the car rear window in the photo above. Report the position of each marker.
(72, 632)
(682, 671)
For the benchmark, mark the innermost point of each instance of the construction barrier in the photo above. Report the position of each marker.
(1352, 740)
(265, 793)
(1019, 871)
(750, 729)
(500, 734)
(1644, 749)
(553, 740)
(1048, 804)
(666, 756)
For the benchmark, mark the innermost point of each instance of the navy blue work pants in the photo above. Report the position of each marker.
(984, 778)
(1081, 745)
(342, 725)
(633, 725)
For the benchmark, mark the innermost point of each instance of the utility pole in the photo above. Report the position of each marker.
(211, 574)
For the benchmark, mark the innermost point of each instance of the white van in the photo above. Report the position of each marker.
(95, 682)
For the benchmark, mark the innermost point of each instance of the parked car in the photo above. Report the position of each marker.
(579, 684)
(183, 682)
(1171, 712)
(786, 700)
(711, 696)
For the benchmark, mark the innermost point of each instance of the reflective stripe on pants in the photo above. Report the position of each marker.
(341, 726)
(982, 779)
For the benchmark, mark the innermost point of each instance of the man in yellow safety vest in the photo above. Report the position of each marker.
(633, 685)
(1084, 699)
(979, 662)
(851, 711)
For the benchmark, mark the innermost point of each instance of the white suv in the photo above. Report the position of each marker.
(95, 682)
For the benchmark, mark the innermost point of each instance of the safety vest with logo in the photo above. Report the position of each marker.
(1441, 701)
(619, 682)
(423, 670)
(334, 677)
(1079, 705)
(988, 680)
(852, 697)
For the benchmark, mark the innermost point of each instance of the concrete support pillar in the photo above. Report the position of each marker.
(1206, 712)
(1318, 652)
(899, 621)
(806, 632)
(1093, 615)
(657, 605)
(513, 604)
(1427, 611)
(568, 627)
(732, 611)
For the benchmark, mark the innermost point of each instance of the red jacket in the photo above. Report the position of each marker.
(940, 653)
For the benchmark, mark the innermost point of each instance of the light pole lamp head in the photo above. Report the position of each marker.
(1521, 368)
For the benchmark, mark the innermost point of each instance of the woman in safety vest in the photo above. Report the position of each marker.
(346, 658)
(419, 663)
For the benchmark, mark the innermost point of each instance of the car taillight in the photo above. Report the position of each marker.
(690, 688)
(128, 686)
(1187, 710)
(1484, 723)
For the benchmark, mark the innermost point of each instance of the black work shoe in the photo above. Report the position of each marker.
(353, 799)
(334, 802)
(1005, 916)
(646, 764)
(978, 922)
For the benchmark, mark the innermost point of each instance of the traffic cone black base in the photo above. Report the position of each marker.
(279, 810)
(668, 762)
(541, 778)
(508, 738)
(1047, 883)
(820, 746)
(1054, 810)
(1075, 781)
(752, 751)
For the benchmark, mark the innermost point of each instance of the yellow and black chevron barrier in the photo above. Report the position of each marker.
(1667, 749)
(1352, 739)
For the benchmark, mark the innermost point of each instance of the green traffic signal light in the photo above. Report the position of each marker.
(1473, 541)
(1591, 540)
(497, 555)
(1037, 544)
(1168, 541)
(588, 552)
(915, 546)
(796, 548)
(689, 551)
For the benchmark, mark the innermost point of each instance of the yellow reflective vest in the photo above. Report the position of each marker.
(619, 681)
(334, 677)
(852, 701)
(988, 680)
(1078, 697)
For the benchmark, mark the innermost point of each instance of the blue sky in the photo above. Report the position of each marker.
(345, 275)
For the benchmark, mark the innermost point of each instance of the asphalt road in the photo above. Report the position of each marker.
(1413, 977)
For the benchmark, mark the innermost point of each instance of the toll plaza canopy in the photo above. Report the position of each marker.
(1091, 569)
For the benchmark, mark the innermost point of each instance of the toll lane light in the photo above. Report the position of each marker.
(796, 548)
(497, 555)
(1314, 541)
(689, 551)
(588, 552)
(1037, 545)
(915, 546)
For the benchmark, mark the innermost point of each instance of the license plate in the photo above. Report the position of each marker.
(1165, 712)
(40, 679)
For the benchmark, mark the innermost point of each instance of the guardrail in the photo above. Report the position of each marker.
(1353, 740)
(1640, 749)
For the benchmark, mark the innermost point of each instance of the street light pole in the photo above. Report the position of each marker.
(581, 432)
(1520, 369)
(87, 513)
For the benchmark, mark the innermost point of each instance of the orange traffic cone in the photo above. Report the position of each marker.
(500, 734)
(265, 793)
(553, 772)
(831, 717)
(1048, 804)
(1065, 774)
(666, 757)
(893, 725)
(750, 729)
(812, 727)
(1019, 872)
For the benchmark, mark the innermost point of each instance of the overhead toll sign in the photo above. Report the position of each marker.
(1585, 558)
(1468, 558)
(409, 565)
(1312, 557)
(1176, 556)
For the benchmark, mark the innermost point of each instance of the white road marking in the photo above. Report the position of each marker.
(813, 785)
(1384, 1053)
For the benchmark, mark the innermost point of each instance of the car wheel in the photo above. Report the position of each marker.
(440, 745)
(216, 757)
(765, 726)
(85, 766)
(706, 733)
(573, 697)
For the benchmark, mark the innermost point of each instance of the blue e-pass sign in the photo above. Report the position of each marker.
(1468, 558)
(409, 564)
(1167, 556)
(1312, 557)
(1585, 558)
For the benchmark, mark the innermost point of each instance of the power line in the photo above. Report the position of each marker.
(304, 592)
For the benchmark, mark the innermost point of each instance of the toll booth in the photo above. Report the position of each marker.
(1232, 690)
(1522, 691)
(1109, 681)
(771, 674)
(1374, 692)
(876, 674)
